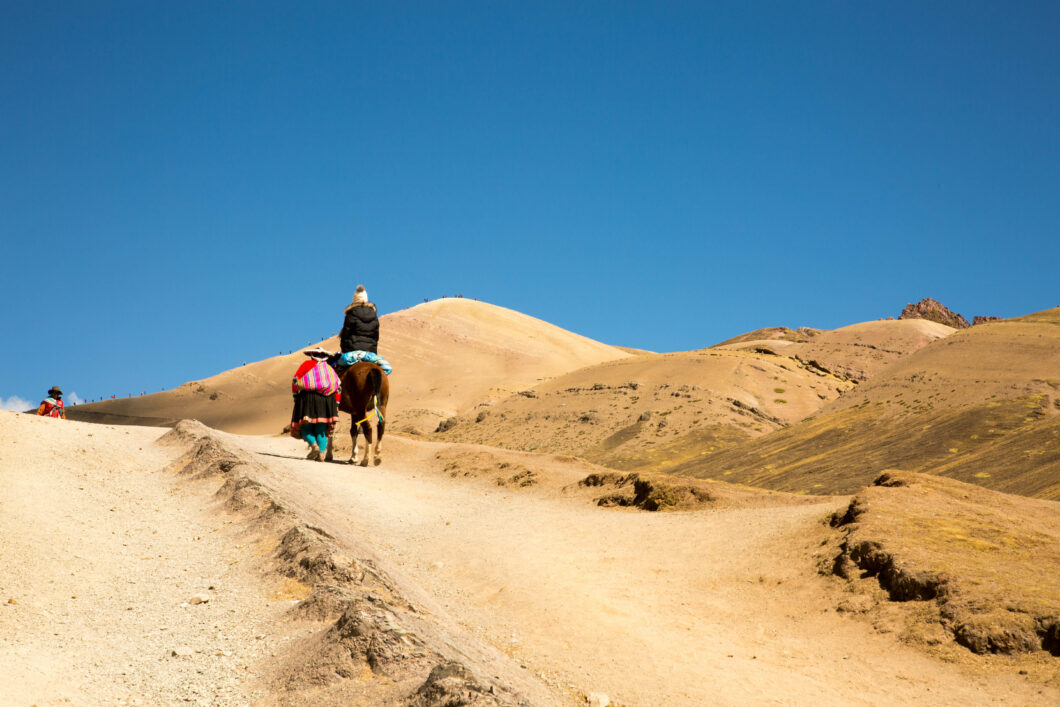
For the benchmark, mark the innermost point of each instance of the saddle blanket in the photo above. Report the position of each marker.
(349, 358)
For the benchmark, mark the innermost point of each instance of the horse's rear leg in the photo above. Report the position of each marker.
(353, 438)
(366, 428)
(379, 429)
(330, 454)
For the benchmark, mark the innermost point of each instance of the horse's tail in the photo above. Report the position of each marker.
(376, 374)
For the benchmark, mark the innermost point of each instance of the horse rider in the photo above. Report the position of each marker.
(359, 338)
(360, 329)
(52, 406)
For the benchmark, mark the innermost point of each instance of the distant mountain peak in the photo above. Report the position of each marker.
(934, 311)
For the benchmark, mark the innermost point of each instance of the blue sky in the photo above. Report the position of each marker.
(187, 186)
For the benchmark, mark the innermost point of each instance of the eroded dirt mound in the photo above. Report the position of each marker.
(504, 472)
(645, 492)
(184, 433)
(451, 685)
(207, 457)
(986, 560)
(375, 648)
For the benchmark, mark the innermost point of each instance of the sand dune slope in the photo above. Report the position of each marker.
(453, 353)
(447, 354)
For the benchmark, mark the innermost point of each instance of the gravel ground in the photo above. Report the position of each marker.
(118, 584)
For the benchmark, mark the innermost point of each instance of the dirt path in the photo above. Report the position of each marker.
(102, 556)
(717, 607)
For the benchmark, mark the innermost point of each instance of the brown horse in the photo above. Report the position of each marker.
(365, 391)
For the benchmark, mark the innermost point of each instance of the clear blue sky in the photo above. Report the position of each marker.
(185, 186)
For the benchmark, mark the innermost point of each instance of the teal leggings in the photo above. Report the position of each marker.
(316, 433)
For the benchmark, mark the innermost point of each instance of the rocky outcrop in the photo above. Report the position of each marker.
(984, 320)
(934, 311)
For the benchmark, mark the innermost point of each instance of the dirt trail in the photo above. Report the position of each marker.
(102, 553)
(691, 608)
(102, 556)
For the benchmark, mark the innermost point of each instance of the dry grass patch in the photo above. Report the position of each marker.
(1010, 445)
(988, 562)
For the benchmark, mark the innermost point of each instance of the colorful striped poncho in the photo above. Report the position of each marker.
(320, 378)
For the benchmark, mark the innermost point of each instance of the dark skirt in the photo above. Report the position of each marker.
(311, 407)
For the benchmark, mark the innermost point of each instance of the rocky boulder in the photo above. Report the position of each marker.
(934, 311)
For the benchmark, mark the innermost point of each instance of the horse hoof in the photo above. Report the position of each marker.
(329, 457)
(378, 461)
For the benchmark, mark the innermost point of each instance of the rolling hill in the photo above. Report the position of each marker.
(981, 405)
(658, 412)
(447, 354)
(803, 410)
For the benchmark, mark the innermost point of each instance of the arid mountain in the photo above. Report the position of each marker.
(447, 355)
(651, 411)
(796, 410)
(981, 405)
(659, 411)
(857, 352)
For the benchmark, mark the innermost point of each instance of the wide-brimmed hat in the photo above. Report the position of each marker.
(317, 352)
(54, 390)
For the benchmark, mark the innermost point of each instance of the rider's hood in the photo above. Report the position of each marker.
(355, 306)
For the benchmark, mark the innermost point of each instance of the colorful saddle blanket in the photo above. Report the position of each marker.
(349, 358)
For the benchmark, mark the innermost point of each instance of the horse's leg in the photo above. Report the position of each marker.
(353, 439)
(330, 454)
(380, 427)
(366, 428)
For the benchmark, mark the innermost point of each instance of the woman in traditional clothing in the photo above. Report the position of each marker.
(316, 390)
(52, 406)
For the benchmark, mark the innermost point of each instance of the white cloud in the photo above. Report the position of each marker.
(73, 399)
(15, 403)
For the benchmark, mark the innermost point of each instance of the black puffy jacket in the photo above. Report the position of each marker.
(360, 330)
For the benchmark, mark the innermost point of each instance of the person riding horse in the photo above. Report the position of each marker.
(359, 338)
(365, 389)
(360, 328)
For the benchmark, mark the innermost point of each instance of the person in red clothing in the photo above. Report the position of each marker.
(316, 409)
(52, 406)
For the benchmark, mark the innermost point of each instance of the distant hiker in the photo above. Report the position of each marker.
(359, 337)
(52, 406)
(316, 408)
